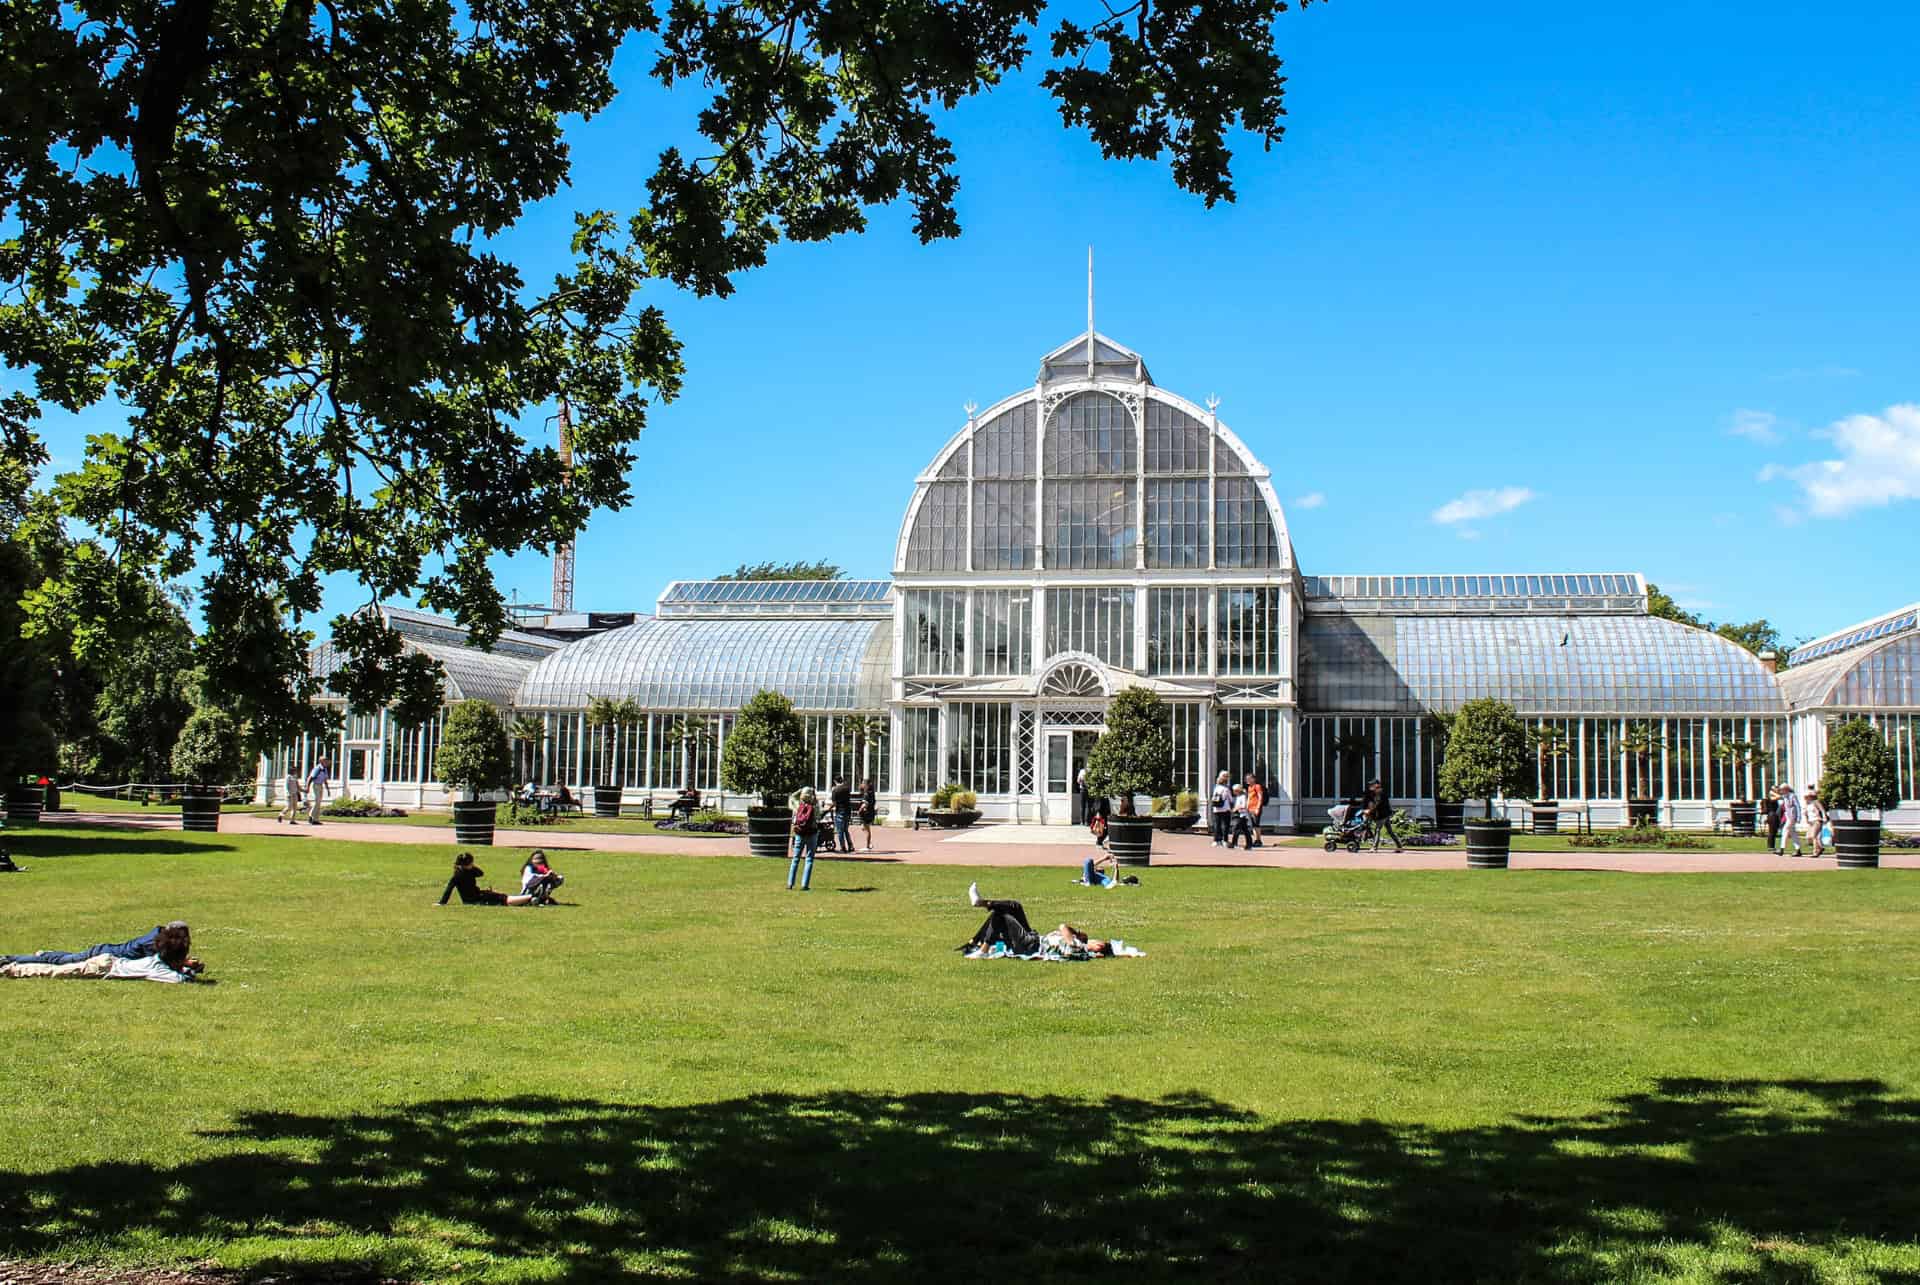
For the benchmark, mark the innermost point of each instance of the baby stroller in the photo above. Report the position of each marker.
(1349, 827)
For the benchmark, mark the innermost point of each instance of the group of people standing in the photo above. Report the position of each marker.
(1786, 813)
(1236, 810)
(846, 806)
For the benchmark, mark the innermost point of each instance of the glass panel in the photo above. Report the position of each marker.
(1177, 631)
(1176, 442)
(921, 749)
(979, 755)
(936, 638)
(1003, 446)
(1251, 631)
(1003, 526)
(1243, 529)
(1097, 620)
(1247, 741)
(1057, 767)
(1090, 435)
(938, 541)
(1002, 632)
(1177, 522)
(1090, 525)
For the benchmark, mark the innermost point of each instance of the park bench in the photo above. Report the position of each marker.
(922, 815)
(1582, 818)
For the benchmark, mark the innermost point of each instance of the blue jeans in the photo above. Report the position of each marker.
(807, 844)
(844, 841)
(138, 948)
(1093, 878)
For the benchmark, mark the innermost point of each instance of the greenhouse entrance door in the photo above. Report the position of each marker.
(1066, 754)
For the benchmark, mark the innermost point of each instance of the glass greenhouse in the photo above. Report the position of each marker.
(1093, 531)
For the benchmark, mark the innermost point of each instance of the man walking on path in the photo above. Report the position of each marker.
(290, 806)
(1380, 815)
(1789, 821)
(317, 789)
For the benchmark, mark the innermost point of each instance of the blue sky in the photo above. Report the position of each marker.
(1619, 282)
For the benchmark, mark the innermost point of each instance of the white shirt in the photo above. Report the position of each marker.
(149, 969)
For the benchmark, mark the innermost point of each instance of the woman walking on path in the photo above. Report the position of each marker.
(290, 810)
(869, 808)
(1816, 815)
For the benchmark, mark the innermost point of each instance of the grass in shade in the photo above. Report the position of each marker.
(690, 1072)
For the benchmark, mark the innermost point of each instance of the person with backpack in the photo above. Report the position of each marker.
(806, 837)
(1222, 810)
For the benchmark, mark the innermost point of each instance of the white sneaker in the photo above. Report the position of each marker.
(973, 893)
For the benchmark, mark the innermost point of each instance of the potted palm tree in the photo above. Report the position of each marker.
(1134, 756)
(528, 732)
(1860, 771)
(1549, 745)
(1449, 811)
(1487, 756)
(1643, 740)
(686, 736)
(857, 731)
(609, 717)
(209, 753)
(766, 754)
(1741, 811)
(473, 757)
(1354, 750)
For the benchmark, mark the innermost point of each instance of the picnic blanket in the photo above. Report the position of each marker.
(1052, 951)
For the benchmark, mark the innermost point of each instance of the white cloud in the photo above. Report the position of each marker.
(1475, 505)
(1755, 425)
(1878, 463)
(1311, 500)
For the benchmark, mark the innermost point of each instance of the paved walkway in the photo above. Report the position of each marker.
(1008, 845)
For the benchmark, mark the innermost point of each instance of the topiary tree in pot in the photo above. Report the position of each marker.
(766, 754)
(1133, 756)
(210, 752)
(1860, 771)
(474, 756)
(1487, 755)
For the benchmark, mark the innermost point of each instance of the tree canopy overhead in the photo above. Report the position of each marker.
(266, 230)
(821, 570)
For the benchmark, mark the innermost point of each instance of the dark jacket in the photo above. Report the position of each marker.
(1379, 806)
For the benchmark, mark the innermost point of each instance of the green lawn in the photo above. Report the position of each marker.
(691, 1073)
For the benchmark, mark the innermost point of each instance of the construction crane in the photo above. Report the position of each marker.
(562, 599)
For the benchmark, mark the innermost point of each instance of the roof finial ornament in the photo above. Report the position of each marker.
(970, 408)
(1213, 403)
(1089, 312)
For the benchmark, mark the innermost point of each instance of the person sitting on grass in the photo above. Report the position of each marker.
(538, 879)
(466, 881)
(165, 956)
(1092, 875)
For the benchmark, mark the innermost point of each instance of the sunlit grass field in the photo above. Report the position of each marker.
(690, 1072)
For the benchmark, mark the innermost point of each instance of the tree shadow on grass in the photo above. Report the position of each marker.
(41, 845)
(1713, 1180)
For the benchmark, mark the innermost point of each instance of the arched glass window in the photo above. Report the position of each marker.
(1090, 498)
(939, 538)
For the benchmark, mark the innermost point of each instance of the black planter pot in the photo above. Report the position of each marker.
(952, 818)
(606, 800)
(473, 823)
(767, 831)
(1742, 818)
(1489, 839)
(1130, 840)
(1173, 823)
(200, 813)
(24, 802)
(1546, 816)
(1643, 812)
(1856, 843)
(1449, 818)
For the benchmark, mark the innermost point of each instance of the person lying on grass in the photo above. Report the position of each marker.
(1007, 926)
(466, 881)
(168, 960)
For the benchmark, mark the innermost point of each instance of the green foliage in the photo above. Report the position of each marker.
(348, 806)
(1135, 754)
(1486, 754)
(964, 801)
(606, 714)
(210, 749)
(766, 752)
(473, 754)
(528, 732)
(942, 798)
(1737, 754)
(1641, 741)
(685, 736)
(1860, 769)
(821, 570)
(515, 815)
(1642, 837)
(1661, 604)
(1185, 803)
(146, 693)
(1755, 635)
(272, 233)
(28, 742)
